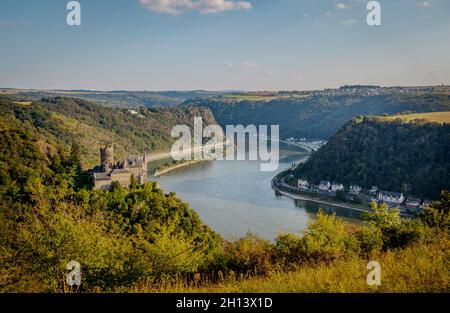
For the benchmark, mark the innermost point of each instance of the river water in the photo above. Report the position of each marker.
(235, 198)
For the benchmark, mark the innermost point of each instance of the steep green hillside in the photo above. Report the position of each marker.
(64, 121)
(318, 117)
(396, 155)
(120, 236)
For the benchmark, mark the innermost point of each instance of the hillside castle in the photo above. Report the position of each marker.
(120, 172)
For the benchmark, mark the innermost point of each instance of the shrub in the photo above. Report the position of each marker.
(437, 214)
(370, 239)
(406, 233)
(327, 239)
(289, 250)
(250, 255)
(383, 217)
(47, 241)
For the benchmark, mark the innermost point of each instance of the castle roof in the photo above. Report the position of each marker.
(101, 176)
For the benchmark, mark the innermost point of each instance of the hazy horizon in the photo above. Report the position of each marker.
(210, 90)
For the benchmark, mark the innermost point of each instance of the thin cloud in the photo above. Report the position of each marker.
(341, 6)
(249, 64)
(203, 6)
(6, 23)
(424, 4)
(350, 22)
(429, 64)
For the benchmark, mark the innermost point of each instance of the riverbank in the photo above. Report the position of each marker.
(278, 181)
(176, 166)
(320, 201)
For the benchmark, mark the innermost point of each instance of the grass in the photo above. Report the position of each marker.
(419, 268)
(435, 117)
(24, 103)
(250, 97)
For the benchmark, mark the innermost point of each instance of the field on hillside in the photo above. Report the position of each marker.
(436, 117)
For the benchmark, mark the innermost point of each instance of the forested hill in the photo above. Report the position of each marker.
(395, 154)
(317, 117)
(60, 122)
(119, 98)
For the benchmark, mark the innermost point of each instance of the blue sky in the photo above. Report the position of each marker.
(222, 44)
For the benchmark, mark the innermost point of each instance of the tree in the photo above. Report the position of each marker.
(437, 214)
(341, 195)
(383, 217)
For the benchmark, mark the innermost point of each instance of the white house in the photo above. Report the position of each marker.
(337, 187)
(324, 185)
(355, 189)
(303, 184)
(392, 198)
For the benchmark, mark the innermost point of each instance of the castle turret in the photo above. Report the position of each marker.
(107, 158)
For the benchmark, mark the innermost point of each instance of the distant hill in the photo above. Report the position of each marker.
(317, 116)
(435, 117)
(398, 153)
(119, 98)
(61, 122)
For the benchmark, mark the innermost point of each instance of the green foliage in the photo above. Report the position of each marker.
(169, 254)
(86, 126)
(437, 214)
(396, 232)
(317, 117)
(382, 216)
(410, 157)
(370, 239)
(328, 238)
(119, 236)
(126, 237)
(407, 233)
(126, 99)
(289, 249)
(250, 255)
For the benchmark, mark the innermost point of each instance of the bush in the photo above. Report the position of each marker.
(250, 255)
(47, 241)
(407, 233)
(382, 216)
(437, 214)
(370, 239)
(289, 250)
(328, 239)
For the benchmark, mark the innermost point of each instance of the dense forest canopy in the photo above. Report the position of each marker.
(119, 98)
(411, 156)
(64, 121)
(317, 116)
(48, 217)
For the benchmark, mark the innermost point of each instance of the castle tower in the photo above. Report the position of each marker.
(107, 158)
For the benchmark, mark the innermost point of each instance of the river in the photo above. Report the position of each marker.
(235, 198)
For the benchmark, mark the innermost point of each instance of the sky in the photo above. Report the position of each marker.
(223, 44)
